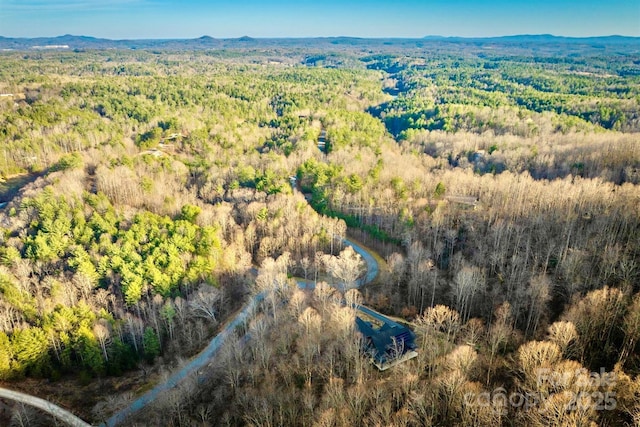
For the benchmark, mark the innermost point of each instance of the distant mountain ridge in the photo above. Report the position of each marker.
(542, 38)
(73, 42)
(69, 41)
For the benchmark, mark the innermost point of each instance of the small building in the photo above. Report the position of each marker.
(463, 200)
(322, 141)
(388, 344)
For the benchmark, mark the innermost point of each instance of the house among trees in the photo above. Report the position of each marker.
(322, 141)
(463, 200)
(389, 344)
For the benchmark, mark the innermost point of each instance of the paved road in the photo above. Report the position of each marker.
(195, 364)
(200, 361)
(44, 405)
(216, 343)
(372, 264)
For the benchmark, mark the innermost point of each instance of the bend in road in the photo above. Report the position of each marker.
(200, 361)
(372, 264)
(216, 343)
(44, 405)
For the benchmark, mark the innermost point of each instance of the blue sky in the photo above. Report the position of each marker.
(119, 19)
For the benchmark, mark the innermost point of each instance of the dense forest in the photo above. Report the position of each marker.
(150, 193)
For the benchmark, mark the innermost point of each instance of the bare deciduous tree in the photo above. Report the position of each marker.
(207, 302)
(499, 333)
(272, 280)
(462, 359)
(346, 267)
(305, 264)
(398, 267)
(443, 319)
(473, 330)
(297, 302)
(595, 317)
(467, 282)
(535, 356)
(353, 298)
(564, 334)
(102, 333)
(539, 294)
(325, 294)
(311, 321)
(631, 329)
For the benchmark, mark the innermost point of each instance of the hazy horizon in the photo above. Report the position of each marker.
(163, 19)
(347, 36)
